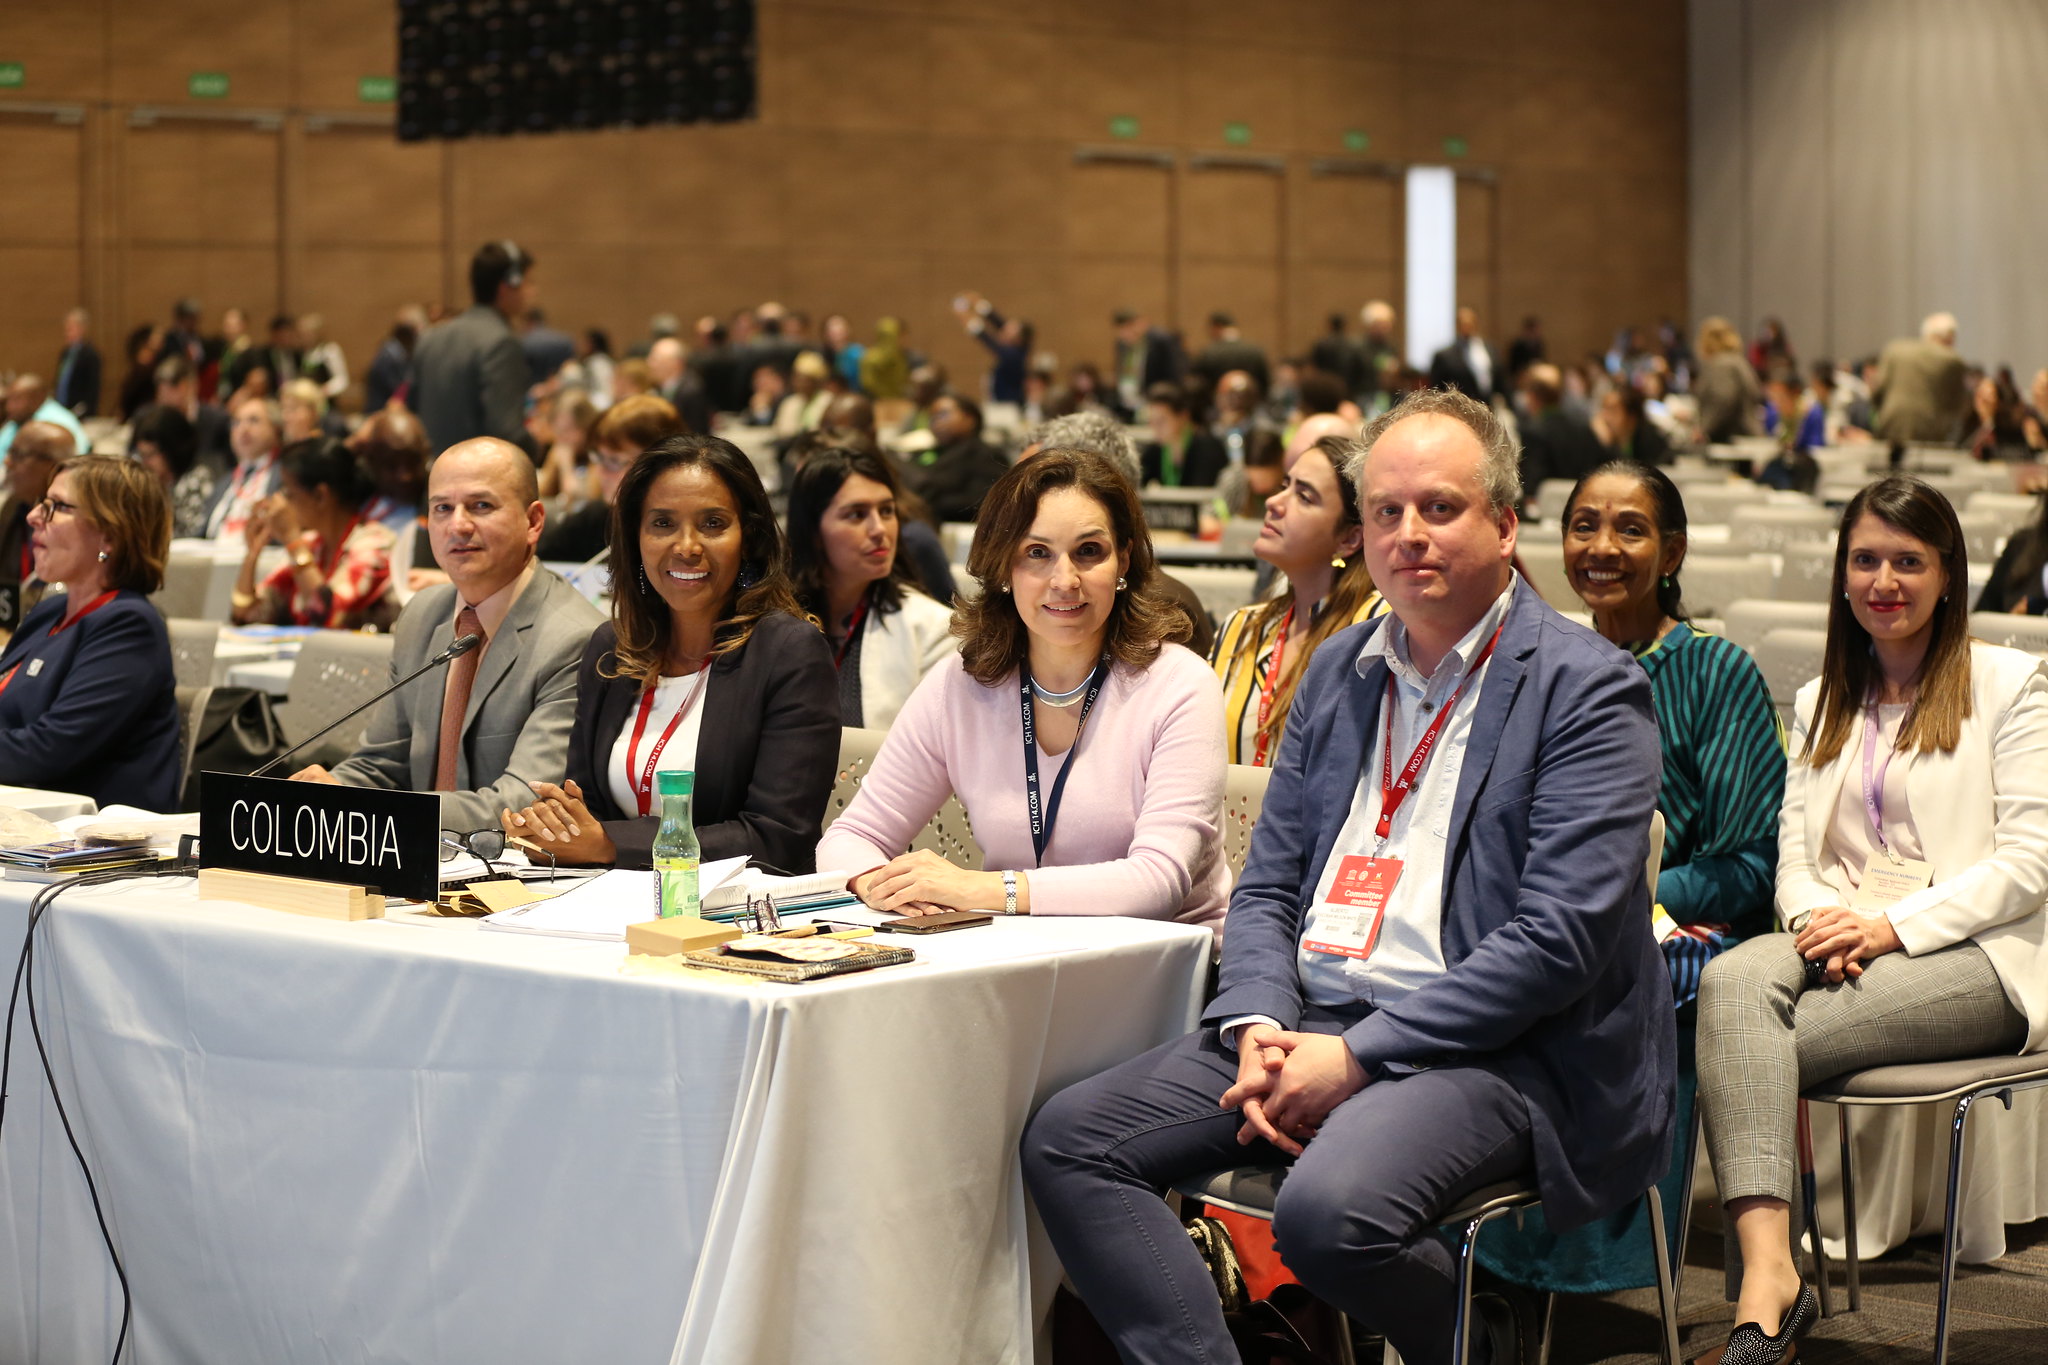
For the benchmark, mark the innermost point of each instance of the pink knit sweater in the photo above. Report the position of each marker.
(1140, 826)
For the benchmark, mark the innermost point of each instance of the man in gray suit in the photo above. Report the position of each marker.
(484, 516)
(469, 374)
(1919, 387)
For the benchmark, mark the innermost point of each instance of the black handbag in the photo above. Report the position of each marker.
(227, 730)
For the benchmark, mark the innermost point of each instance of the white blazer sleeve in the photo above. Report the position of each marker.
(2012, 882)
(1800, 888)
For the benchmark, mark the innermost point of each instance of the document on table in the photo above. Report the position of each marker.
(602, 907)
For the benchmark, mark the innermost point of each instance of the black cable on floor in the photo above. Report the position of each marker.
(24, 984)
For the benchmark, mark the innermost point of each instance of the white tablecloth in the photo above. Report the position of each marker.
(49, 805)
(394, 1142)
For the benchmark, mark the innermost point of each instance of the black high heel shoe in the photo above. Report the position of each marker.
(1748, 1344)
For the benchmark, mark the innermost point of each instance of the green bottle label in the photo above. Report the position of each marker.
(676, 887)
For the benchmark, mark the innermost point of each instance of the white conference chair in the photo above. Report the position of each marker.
(2010, 510)
(336, 671)
(1710, 582)
(1544, 560)
(948, 833)
(1806, 573)
(1551, 496)
(1244, 795)
(1222, 590)
(1769, 528)
(1721, 503)
(2015, 632)
(1789, 658)
(1746, 622)
(192, 646)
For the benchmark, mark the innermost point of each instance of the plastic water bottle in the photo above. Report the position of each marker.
(675, 848)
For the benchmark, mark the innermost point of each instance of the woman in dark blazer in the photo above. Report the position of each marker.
(87, 699)
(707, 665)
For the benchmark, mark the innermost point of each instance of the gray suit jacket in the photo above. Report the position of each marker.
(1920, 392)
(470, 379)
(516, 731)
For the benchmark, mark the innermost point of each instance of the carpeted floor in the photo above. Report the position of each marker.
(1999, 1315)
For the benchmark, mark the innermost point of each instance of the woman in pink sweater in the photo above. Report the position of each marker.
(1064, 665)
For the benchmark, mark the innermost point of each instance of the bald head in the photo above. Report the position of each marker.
(27, 393)
(484, 514)
(486, 459)
(1313, 429)
(39, 449)
(665, 360)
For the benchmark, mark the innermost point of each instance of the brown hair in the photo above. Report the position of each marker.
(636, 423)
(994, 639)
(1848, 672)
(126, 503)
(1349, 592)
(639, 616)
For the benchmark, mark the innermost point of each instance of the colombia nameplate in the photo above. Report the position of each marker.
(359, 836)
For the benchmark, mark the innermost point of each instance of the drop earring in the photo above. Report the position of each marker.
(1336, 561)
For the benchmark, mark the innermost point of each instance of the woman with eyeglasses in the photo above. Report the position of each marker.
(622, 431)
(843, 561)
(708, 665)
(88, 703)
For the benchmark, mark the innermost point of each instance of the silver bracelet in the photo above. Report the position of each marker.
(1009, 893)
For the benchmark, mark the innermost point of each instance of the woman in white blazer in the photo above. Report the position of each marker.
(1912, 870)
(885, 634)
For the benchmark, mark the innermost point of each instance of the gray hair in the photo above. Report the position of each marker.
(1500, 465)
(1092, 432)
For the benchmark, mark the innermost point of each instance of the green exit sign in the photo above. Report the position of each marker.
(13, 75)
(207, 85)
(1123, 127)
(1237, 134)
(1356, 140)
(377, 89)
(1455, 146)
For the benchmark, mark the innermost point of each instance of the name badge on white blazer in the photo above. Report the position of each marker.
(1887, 881)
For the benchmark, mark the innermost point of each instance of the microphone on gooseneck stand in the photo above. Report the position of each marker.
(462, 646)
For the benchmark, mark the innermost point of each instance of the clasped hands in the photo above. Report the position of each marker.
(1842, 940)
(1287, 1084)
(920, 882)
(561, 822)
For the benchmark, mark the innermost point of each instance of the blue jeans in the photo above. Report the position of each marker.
(1355, 1221)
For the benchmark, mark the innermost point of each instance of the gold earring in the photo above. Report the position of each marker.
(1336, 561)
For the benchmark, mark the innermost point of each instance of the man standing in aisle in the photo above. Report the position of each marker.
(1438, 971)
(1919, 386)
(78, 367)
(469, 373)
(495, 720)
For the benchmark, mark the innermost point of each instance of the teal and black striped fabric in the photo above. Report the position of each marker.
(1724, 781)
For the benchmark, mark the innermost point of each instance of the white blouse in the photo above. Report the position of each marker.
(678, 755)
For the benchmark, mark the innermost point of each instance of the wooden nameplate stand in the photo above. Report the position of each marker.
(294, 895)
(677, 934)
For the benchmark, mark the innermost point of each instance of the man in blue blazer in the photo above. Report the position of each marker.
(1438, 970)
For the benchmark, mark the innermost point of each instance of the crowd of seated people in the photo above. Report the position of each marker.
(1414, 997)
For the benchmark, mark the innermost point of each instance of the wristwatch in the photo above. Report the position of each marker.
(303, 557)
(1009, 893)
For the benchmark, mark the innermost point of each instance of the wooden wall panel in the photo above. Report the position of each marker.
(905, 150)
(215, 184)
(42, 286)
(59, 47)
(154, 47)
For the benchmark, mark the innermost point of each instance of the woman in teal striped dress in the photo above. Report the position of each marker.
(1724, 780)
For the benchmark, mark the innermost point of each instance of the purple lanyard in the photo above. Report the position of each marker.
(1873, 783)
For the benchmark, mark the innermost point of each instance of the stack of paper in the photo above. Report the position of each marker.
(602, 907)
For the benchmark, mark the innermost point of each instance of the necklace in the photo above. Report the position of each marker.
(1060, 700)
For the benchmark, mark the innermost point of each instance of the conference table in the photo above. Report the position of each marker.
(429, 1142)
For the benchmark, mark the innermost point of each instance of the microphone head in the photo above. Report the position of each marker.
(464, 644)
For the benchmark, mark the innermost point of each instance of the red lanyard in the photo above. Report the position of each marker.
(63, 626)
(643, 790)
(1394, 791)
(860, 617)
(1266, 691)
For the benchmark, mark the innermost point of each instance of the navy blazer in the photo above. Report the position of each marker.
(93, 709)
(767, 747)
(1552, 977)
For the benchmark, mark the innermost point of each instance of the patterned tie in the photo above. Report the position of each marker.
(455, 701)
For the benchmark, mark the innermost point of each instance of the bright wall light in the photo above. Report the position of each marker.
(1432, 261)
